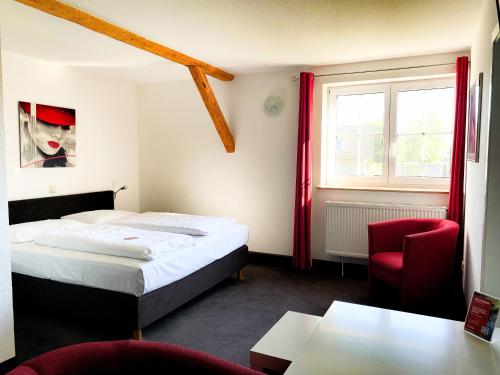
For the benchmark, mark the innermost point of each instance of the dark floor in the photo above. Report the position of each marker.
(227, 320)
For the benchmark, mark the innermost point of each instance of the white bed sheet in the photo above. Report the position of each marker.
(126, 275)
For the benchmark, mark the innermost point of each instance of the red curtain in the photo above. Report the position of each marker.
(456, 196)
(303, 188)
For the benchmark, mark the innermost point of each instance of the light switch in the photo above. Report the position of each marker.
(52, 189)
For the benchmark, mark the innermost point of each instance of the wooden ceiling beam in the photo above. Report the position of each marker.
(198, 68)
(89, 21)
(207, 94)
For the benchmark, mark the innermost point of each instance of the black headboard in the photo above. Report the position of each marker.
(35, 209)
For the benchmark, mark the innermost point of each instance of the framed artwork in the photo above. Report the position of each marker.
(47, 136)
(476, 93)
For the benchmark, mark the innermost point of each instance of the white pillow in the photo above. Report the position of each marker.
(98, 216)
(26, 232)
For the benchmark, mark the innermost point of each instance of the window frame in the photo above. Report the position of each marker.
(395, 181)
(388, 179)
(331, 148)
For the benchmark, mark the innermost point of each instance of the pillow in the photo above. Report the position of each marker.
(98, 216)
(26, 232)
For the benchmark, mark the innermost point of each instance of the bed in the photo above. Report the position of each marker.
(128, 294)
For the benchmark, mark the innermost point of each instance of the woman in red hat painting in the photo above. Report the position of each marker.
(47, 137)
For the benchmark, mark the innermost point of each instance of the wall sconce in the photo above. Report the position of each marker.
(115, 193)
(275, 102)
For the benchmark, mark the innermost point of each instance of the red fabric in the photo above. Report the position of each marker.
(456, 196)
(388, 266)
(303, 188)
(427, 249)
(128, 358)
(389, 235)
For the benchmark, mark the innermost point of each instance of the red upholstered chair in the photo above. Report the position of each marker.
(415, 256)
(126, 358)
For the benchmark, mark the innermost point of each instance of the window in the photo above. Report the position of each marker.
(395, 134)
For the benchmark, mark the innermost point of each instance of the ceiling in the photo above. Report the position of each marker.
(243, 36)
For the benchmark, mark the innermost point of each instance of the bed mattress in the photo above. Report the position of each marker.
(126, 275)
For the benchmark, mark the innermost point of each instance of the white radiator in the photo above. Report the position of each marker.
(347, 223)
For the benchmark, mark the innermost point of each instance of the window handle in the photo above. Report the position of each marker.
(392, 150)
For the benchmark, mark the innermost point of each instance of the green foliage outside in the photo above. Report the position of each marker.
(423, 141)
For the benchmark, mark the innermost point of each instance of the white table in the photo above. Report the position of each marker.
(356, 339)
(283, 342)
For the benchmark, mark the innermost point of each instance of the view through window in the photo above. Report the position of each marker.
(389, 134)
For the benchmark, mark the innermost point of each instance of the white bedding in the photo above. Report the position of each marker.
(26, 232)
(175, 223)
(114, 240)
(126, 275)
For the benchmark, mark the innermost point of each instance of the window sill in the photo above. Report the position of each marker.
(387, 189)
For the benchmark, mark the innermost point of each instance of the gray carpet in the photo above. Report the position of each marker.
(230, 318)
(226, 321)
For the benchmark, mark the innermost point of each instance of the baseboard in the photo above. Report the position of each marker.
(8, 365)
(318, 265)
(269, 259)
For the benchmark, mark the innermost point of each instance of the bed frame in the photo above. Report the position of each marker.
(118, 309)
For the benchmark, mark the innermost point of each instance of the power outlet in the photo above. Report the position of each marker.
(52, 189)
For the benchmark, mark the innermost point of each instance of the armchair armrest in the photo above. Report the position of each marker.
(389, 235)
(428, 260)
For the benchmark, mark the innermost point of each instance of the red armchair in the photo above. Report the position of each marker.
(415, 256)
(128, 358)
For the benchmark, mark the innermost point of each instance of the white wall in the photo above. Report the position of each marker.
(475, 202)
(7, 350)
(491, 257)
(106, 116)
(185, 168)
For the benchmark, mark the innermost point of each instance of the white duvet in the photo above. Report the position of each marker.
(175, 223)
(114, 240)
